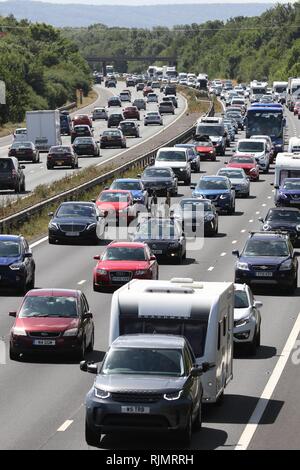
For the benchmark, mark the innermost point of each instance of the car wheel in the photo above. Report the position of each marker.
(23, 187)
(49, 167)
(13, 355)
(185, 436)
(91, 345)
(92, 438)
(81, 353)
(197, 424)
(18, 188)
(252, 347)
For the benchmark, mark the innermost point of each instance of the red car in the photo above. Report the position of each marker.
(52, 321)
(147, 89)
(297, 108)
(117, 204)
(131, 112)
(248, 164)
(205, 148)
(81, 119)
(123, 261)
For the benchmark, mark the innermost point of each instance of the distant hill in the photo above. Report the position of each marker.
(75, 15)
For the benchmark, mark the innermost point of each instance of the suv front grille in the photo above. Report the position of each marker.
(136, 397)
(264, 267)
(72, 227)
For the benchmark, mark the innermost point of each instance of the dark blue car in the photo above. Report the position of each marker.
(65, 123)
(268, 258)
(193, 156)
(17, 267)
(135, 186)
(288, 193)
(219, 190)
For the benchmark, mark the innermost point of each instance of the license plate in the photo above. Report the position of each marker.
(157, 252)
(72, 234)
(44, 342)
(109, 138)
(262, 274)
(135, 409)
(120, 279)
(59, 163)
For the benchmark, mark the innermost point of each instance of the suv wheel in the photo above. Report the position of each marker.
(18, 188)
(13, 355)
(185, 436)
(92, 438)
(197, 424)
(91, 345)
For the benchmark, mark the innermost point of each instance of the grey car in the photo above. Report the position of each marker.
(247, 319)
(140, 103)
(11, 174)
(153, 117)
(145, 383)
(238, 179)
(160, 180)
(166, 107)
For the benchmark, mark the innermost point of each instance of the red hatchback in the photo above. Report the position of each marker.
(147, 90)
(123, 261)
(52, 321)
(117, 204)
(82, 119)
(297, 108)
(205, 148)
(131, 112)
(248, 164)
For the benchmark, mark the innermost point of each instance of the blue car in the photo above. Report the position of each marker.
(268, 258)
(193, 156)
(135, 186)
(219, 190)
(17, 267)
(288, 193)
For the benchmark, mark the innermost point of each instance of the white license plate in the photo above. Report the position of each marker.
(135, 409)
(44, 342)
(59, 163)
(157, 252)
(264, 274)
(72, 234)
(120, 279)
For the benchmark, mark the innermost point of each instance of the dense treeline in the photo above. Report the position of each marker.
(41, 68)
(261, 47)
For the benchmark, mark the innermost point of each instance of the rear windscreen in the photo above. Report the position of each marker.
(6, 165)
(193, 329)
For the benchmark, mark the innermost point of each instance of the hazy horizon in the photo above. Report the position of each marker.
(150, 2)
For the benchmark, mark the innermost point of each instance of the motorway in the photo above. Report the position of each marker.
(41, 402)
(36, 174)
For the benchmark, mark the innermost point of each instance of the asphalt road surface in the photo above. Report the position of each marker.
(41, 401)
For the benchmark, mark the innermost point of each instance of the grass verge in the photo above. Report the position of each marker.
(198, 101)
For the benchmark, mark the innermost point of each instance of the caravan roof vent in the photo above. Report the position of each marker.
(182, 280)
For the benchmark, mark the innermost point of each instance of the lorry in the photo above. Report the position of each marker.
(293, 92)
(200, 311)
(43, 129)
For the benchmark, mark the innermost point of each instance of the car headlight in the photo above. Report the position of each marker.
(253, 170)
(209, 217)
(286, 265)
(16, 266)
(173, 395)
(211, 152)
(242, 266)
(141, 272)
(53, 225)
(17, 331)
(181, 169)
(224, 196)
(243, 321)
(101, 393)
(90, 226)
(298, 228)
(101, 271)
(71, 332)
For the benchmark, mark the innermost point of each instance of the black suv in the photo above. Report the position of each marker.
(129, 128)
(114, 119)
(286, 219)
(146, 383)
(11, 174)
(268, 258)
(170, 90)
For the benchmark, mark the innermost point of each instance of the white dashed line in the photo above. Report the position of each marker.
(264, 205)
(269, 197)
(243, 231)
(223, 254)
(211, 268)
(81, 282)
(65, 426)
(234, 242)
(251, 220)
(257, 212)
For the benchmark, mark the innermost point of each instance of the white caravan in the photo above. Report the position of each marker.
(287, 165)
(200, 311)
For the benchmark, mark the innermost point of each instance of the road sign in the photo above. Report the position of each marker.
(2, 92)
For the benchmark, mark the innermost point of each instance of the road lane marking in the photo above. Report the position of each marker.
(257, 212)
(264, 205)
(38, 242)
(211, 268)
(223, 254)
(269, 197)
(264, 399)
(251, 220)
(81, 282)
(65, 426)
(234, 242)
(243, 231)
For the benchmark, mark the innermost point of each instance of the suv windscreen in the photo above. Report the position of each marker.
(266, 248)
(213, 184)
(6, 164)
(250, 146)
(216, 131)
(292, 184)
(171, 155)
(241, 299)
(283, 216)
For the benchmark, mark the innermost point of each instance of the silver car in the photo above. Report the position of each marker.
(247, 319)
(152, 98)
(238, 179)
(153, 118)
(99, 113)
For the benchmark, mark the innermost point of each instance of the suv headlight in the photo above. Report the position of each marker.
(224, 196)
(71, 332)
(17, 331)
(286, 265)
(101, 393)
(266, 227)
(16, 266)
(53, 225)
(242, 266)
(243, 321)
(173, 395)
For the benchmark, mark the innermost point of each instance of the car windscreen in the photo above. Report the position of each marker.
(292, 184)
(241, 299)
(171, 155)
(250, 146)
(144, 361)
(127, 124)
(75, 210)
(83, 140)
(111, 133)
(157, 172)
(266, 248)
(9, 249)
(243, 160)
(124, 254)
(213, 184)
(60, 150)
(158, 229)
(127, 185)
(231, 174)
(113, 197)
(216, 131)
(6, 164)
(17, 145)
(283, 216)
(49, 306)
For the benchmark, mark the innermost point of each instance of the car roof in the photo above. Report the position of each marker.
(116, 191)
(266, 235)
(150, 341)
(285, 209)
(241, 287)
(127, 180)
(53, 292)
(127, 244)
(218, 177)
(11, 237)
(85, 203)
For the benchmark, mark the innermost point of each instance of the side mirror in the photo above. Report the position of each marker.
(236, 253)
(93, 200)
(97, 258)
(87, 316)
(206, 366)
(193, 186)
(90, 367)
(271, 184)
(257, 304)
(196, 371)
(22, 167)
(12, 314)
(152, 258)
(139, 175)
(51, 214)
(276, 186)
(261, 219)
(28, 255)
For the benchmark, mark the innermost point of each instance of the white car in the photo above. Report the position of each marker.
(247, 319)
(20, 134)
(153, 117)
(257, 148)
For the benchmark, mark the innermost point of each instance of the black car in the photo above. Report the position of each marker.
(24, 151)
(129, 128)
(17, 266)
(197, 217)
(110, 84)
(146, 383)
(81, 130)
(114, 101)
(140, 86)
(160, 180)
(114, 119)
(62, 155)
(170, 90)
(194, 157)
(286, 219)
(65, 123)
(12, 175)
(86, 146)
(268, 258)
(164, 236)
(112, 138)
(76, 222)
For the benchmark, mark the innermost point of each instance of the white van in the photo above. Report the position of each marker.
(177, 159)
(200, 311)
(20, 135)
(294, 145)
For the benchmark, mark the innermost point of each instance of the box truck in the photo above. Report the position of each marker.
(200, 311)
(43, 129)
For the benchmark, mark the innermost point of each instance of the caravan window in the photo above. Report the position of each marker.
(288, 174)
